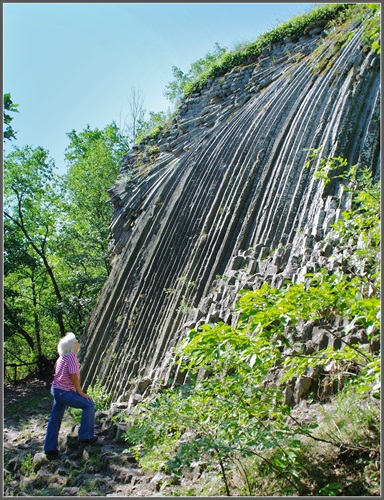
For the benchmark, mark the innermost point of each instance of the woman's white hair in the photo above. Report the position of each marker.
(66, 344)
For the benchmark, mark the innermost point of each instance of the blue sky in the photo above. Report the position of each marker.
(68, 65)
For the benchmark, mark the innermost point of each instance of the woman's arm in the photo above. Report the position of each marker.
(75, 378)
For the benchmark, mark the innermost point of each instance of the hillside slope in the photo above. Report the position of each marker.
(223, 199)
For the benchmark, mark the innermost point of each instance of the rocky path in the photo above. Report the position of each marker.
(104, 470)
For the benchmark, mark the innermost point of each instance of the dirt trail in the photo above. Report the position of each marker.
(104, 470)
(26, 411)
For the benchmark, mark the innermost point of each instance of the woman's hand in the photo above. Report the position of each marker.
(86, 396)
(75, 377)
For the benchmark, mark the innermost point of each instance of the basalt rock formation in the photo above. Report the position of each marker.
(223, 200)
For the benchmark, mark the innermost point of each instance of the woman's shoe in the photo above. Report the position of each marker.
(89, 440)
(52, 454)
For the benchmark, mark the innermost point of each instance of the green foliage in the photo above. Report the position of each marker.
(32, 214)
(230, 416)
(184, 307)
(56, 242)
(372, 27)
(353, 423)
(359, 227)
(149, 130)
(221, 60)
(330, 489)
(225, 62)
(9, 107)
(100, 396)
(344, 458)
(210, 422)
(75, 413)
(94, 158)
(324, 165)
(27, 465)
(183, 82)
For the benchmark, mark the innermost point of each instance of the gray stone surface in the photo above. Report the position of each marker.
(229, 203)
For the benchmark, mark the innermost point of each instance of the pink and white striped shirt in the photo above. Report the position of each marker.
(64, 367)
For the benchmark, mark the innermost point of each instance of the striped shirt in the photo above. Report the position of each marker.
(64, 367)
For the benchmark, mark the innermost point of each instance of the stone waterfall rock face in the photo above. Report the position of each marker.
(223, 200)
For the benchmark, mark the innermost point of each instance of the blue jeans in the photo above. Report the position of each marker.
(62, 399)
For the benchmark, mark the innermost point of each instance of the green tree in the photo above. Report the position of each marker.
(94, 158)
(176, 89)
(9, 106)
(56, 240)
(32, 212)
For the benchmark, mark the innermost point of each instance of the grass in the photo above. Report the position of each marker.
(353, 421)
(27, 464)
(292, 29)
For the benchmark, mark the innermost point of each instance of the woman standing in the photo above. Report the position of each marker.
(66, 391)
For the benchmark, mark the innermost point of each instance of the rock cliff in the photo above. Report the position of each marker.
(222, 200)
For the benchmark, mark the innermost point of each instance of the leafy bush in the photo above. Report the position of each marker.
(341, 457)
(372, 30)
